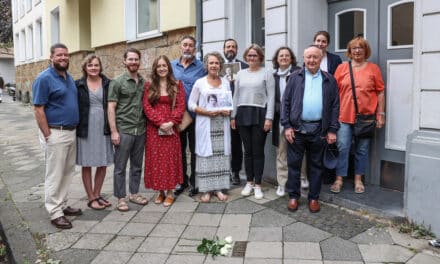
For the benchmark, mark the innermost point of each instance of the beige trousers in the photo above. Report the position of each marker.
(60, 156)
(282, 168)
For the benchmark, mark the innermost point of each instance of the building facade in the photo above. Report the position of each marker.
(405, 155)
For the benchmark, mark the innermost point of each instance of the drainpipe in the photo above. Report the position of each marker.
(199, 29)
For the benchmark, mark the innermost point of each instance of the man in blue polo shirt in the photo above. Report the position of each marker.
(55, 102)
(188, 69)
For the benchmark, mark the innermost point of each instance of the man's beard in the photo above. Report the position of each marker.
(60, 68)
(133, 68)
(230, 55)
(187, 56)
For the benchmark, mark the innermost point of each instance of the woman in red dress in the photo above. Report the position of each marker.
(164, 104)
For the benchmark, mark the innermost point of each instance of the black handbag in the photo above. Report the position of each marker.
(364, 125)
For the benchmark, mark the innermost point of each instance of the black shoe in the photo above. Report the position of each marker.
(72, 211)
(61, 222)
(193, 191)
(236, 179)
(180, 188)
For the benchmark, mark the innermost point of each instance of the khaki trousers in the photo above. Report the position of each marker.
(282, 169)
(60, 156)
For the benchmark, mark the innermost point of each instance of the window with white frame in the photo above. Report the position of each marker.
(29, 42)
(17, 52)
(349, 24)
(55, 26)
(28, 5)
(401, 24)
(15, 10)
(21, 7)
(147, 17)
(257, 24)
(22, 45)
(38, 38)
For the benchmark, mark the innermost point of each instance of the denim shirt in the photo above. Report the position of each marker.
(188, 76)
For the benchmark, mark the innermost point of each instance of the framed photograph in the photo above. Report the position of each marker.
(230, 70)
(219, 101)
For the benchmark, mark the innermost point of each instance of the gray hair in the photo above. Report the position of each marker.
(215, 54)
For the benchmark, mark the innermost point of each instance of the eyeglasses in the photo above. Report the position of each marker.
(357, 48)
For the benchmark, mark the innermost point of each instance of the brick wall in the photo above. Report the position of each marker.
(111, 57)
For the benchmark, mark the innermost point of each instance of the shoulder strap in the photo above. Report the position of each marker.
(353, 88)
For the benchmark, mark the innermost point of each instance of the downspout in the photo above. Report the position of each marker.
(199, 29)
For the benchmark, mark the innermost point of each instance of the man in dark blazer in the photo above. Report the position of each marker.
(230, 52)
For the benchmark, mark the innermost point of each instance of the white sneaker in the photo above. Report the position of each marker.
(280, 191)
(258, 193)
(247, 190)
(304, 183)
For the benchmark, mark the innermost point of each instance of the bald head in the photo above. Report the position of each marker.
(312, 58)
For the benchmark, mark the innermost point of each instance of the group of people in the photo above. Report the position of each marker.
(97, 122)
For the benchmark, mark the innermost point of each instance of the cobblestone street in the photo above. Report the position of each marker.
(263, 230)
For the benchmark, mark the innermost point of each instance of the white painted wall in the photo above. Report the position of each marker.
(7, 70)
(22, 22)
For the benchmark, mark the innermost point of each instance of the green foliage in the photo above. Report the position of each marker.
(215, 246)
(416, 230)
(5, 23)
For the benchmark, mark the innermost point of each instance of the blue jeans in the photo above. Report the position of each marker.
(362, 145)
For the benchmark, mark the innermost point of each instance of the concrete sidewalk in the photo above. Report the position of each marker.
(264, 231)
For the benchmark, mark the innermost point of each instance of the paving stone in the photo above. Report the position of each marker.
(262, 261)
(93, 241)
(373, 236)
(186, 246)
(268, 234)
(223, 260)
(61, 240)
(158, 245)
(117, 216)
(302, 250)
(424, 258)
(148, 258)
(336, 248)
(137, 229)
(211, 208)
(271, 218)
(93, 215)
(236, 220)
(300, 232)
(200, 219)
(124, 243)
(152, 207)
(303, 261)
(109, 257)
(406, 240)
(107, 227)
(264, 250)
(345, 262)
(80, 226)
(147, 217)
(330, 219)
(185, 259)
(167, 230)
(176, 218)
(75, 256)
(238, 233)
(188, 207)
(242, 206)
(385, 253)
(199, 232)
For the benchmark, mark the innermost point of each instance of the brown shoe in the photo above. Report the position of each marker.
(72, 211)
(292, 205)
(168, 201)
(61, 222)
(159, 198)
(314, 206)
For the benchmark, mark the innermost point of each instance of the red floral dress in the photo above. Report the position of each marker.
(163, 157)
